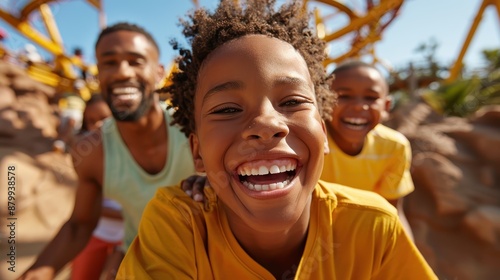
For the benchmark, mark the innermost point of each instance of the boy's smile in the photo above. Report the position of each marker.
(267, 175)
(259, 136)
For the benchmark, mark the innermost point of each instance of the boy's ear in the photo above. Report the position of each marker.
(195, 151)
(326, 147)
(387, 108)
(388, 103)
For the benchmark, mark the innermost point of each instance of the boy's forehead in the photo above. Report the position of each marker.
(360, 70)
(256, 49)
(253, 59)
(359, 73)
(254, 45)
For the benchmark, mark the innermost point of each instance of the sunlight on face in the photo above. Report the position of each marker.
(259, 135)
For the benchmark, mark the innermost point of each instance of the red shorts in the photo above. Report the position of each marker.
(89, 264)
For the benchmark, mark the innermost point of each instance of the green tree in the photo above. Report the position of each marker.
(467, 95)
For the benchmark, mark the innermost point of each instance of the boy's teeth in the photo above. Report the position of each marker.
(356, 120)
(274, 169)
(266, 187)
(264, 170)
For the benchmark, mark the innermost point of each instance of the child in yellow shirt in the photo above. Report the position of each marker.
(365, 154)
(250, 94)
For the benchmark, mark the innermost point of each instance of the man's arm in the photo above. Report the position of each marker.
(75, 233)
(111, 213)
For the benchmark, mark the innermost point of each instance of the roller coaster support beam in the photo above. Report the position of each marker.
(458, 65)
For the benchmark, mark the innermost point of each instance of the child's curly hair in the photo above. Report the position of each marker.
(229, 21)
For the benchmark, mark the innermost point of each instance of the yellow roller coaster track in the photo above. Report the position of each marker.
(364, 28)
(456, 68)
(62, 75)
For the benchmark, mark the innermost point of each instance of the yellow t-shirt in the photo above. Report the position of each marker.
(383, 166)
(352, 234)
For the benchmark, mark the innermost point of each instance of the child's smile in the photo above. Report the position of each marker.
(265, 175)
(355, 123)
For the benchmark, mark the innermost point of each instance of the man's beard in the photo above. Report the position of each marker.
(131, 116)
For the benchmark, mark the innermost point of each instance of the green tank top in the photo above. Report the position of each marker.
(127, 183)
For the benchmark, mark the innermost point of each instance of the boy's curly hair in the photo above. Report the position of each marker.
(207, 31)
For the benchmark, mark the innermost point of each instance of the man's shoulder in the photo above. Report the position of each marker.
(89, 143)
(87, 152)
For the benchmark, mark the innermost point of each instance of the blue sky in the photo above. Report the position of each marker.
(445, 21)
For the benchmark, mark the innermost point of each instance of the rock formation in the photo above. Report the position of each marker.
(44, 180)
(455, 209)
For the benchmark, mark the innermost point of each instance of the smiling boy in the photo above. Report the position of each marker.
(251, 95)
(365, 154)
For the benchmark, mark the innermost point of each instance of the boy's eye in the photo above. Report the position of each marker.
(349, 97)
(225, 110)
(371, 98)
(294, 102)
(343, 97)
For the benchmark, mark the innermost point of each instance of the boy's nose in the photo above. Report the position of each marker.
(267, 125)
(361, 105)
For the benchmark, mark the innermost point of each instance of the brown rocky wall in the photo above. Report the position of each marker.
(45, 182)
(455, 209)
